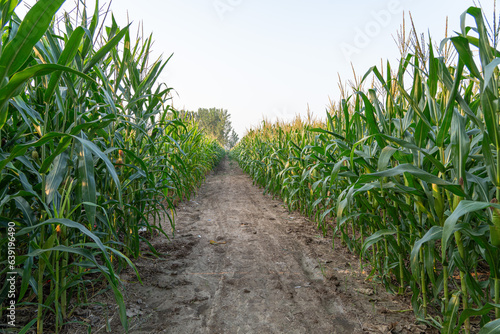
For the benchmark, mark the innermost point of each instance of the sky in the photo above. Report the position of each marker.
(274, 59)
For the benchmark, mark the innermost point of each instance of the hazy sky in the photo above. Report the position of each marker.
(271, 59)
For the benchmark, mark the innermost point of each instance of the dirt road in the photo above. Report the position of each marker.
(241, 263)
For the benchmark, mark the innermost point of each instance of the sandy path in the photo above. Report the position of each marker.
(270, 272)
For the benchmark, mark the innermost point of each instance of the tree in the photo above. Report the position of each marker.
(233, 139)
(215, 122)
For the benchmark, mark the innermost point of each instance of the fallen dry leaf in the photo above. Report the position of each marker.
(212, 242)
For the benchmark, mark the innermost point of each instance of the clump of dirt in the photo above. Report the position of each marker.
(241, 263)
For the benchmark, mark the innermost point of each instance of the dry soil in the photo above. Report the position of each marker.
(241, 263)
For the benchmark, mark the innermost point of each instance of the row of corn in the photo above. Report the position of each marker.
(407, 175)
(92, 158)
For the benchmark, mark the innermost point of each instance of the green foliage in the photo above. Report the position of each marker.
(92, 157)
(215, 123)
(406, 174)
(233, 139)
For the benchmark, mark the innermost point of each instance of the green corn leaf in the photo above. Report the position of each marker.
(67, 56)
(485, 51)
(490, 161)
(422, 131)
(31, 30)
(411, 146)
(327, 132)
(416, 172)
(376, 237)
(88, 43)
(447, 80)
(460, 145)
(445, 123)
(26, 328)
(371, 120)
(385, 157)
(432, 81)
(102, 52)
(434, 233)
(461, 44)
(19, 79)
(73, 250)
(21, 149)
(125, 60)
(490, 111)
(120, 255)
(27, 278)
(86, 181)
(491, 327)
(380, 114)
(488, 72)
(67, 223)
(64, 143)
(97, 152)
(463, 208)
(452, 313)
(56, 176)
(7, 9)
(120, 301)
(414, 106)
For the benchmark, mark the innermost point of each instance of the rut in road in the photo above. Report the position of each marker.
(241, 263)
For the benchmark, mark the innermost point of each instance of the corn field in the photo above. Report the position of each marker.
(407, 175)
(92, 156)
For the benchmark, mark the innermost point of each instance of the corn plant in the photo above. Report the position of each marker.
(91, 154)
(406, 174)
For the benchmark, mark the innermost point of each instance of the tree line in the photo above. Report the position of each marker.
(216, 123)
